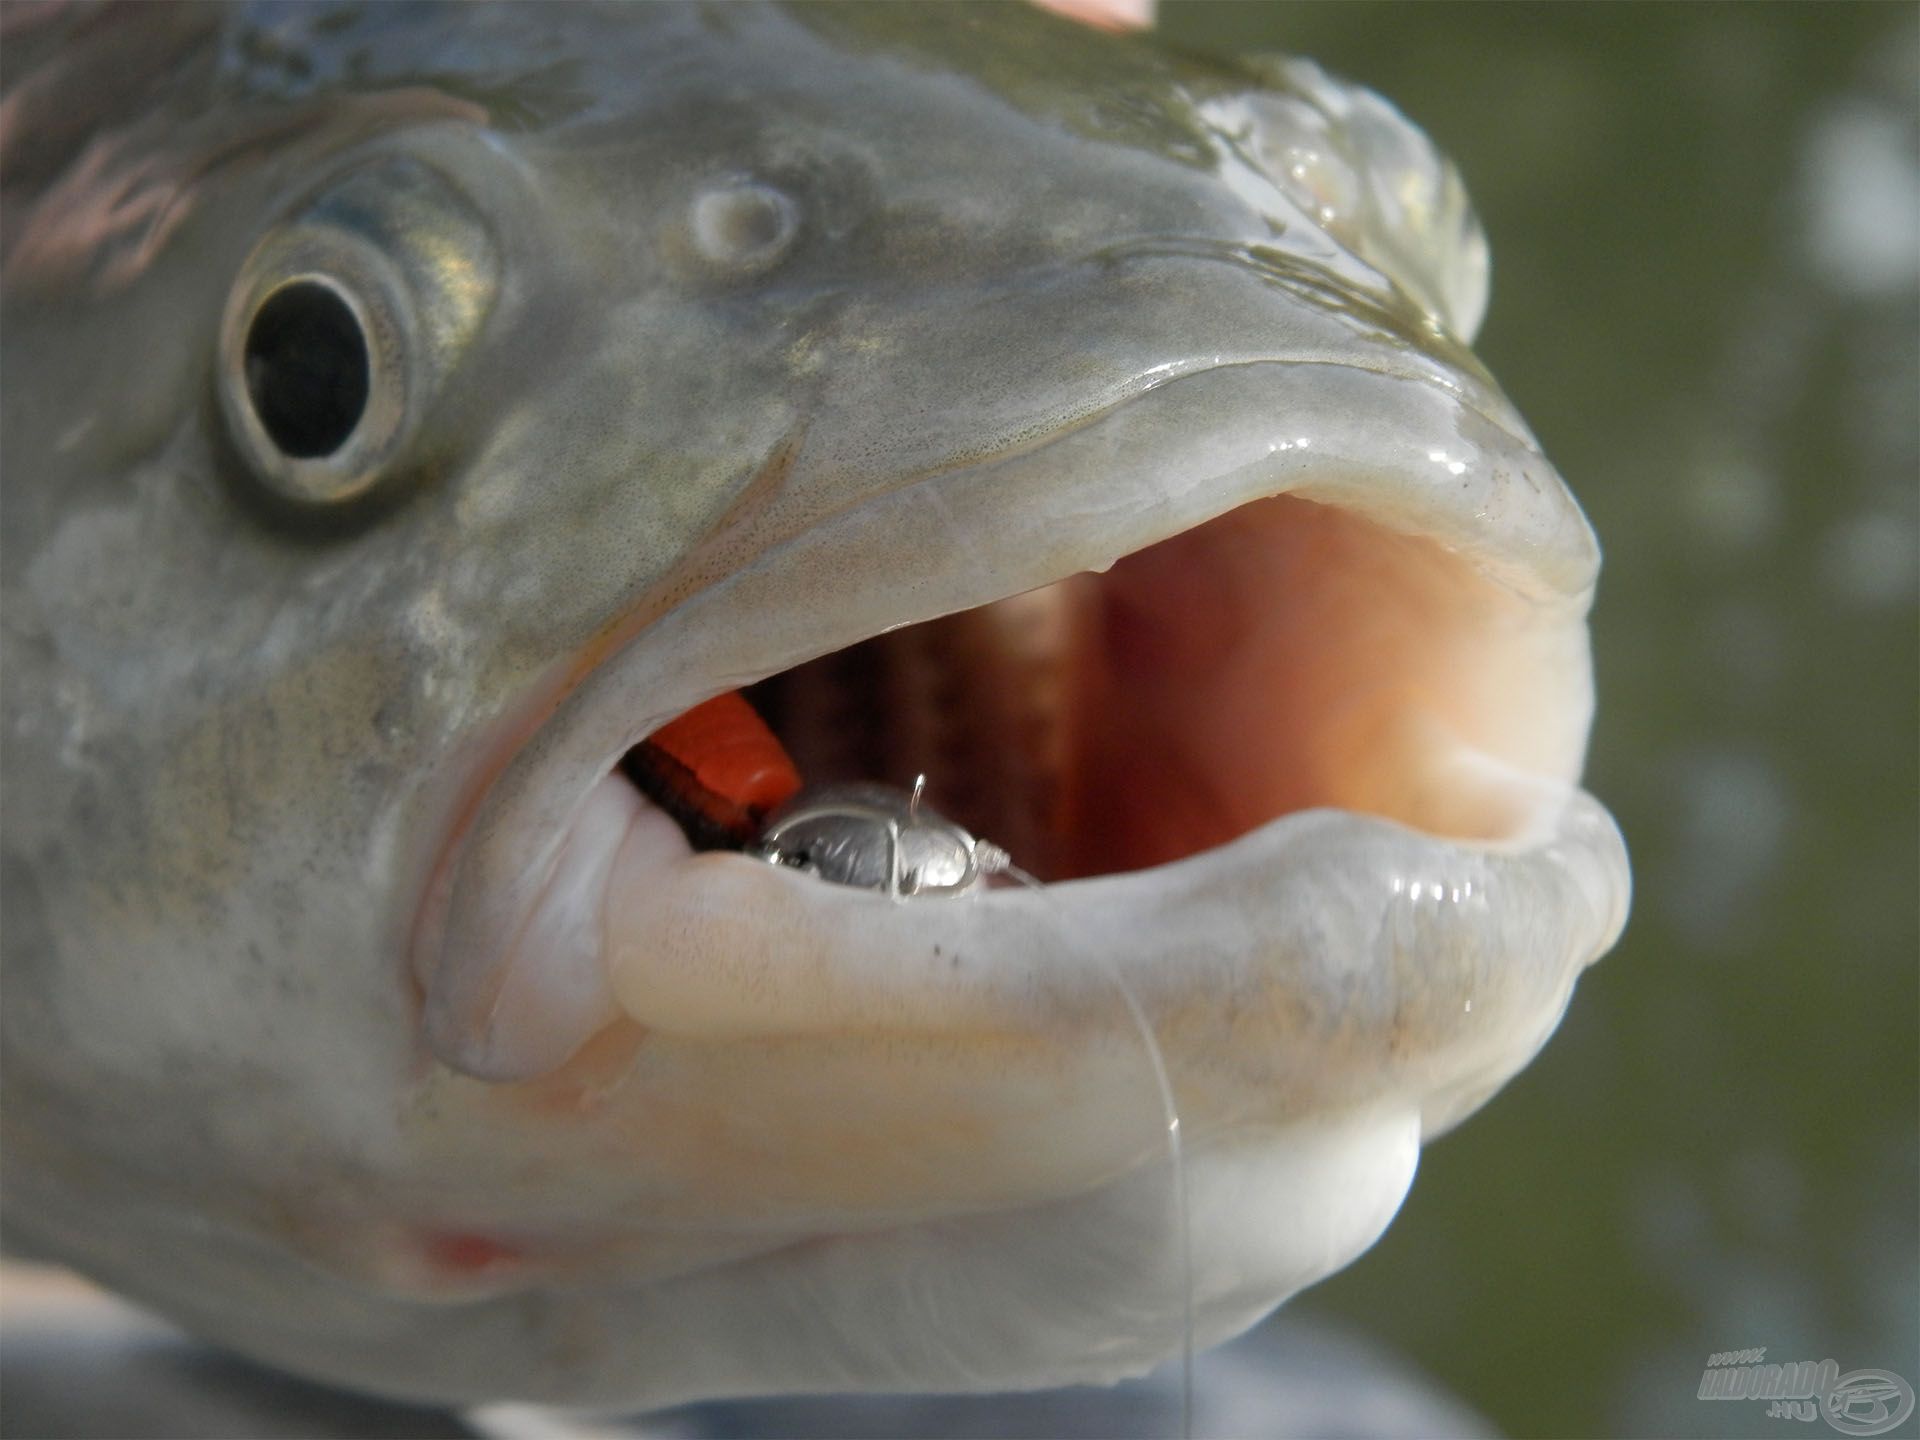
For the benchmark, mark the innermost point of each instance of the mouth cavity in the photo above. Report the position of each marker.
(1285, 656)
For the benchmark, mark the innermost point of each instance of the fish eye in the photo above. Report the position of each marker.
(314, 379)
(343, 328)
(307, 368)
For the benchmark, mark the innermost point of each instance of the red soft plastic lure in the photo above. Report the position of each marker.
(718, 770)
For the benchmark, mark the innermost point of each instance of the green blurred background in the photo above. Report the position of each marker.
(1706, 234)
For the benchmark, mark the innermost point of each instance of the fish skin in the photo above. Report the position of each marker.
(237, 729)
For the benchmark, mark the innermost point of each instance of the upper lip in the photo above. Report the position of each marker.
(1404, 444)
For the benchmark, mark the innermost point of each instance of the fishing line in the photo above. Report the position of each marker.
(1176, 1156)
(859, 835)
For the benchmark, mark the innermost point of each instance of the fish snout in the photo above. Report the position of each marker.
(1307, 149)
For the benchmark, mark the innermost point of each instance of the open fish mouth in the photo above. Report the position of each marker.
(1289, 715)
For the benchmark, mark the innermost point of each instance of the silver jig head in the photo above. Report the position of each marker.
(870, 836)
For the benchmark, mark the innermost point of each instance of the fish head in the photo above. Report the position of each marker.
(412, 410)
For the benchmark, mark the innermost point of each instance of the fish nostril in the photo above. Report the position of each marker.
(743, 226)
(308, 372)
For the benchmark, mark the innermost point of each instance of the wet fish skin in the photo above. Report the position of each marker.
(239, 721)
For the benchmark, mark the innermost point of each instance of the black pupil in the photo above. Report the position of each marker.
(308, 372)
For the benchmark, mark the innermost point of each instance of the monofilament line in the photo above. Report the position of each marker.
(1176, 1158)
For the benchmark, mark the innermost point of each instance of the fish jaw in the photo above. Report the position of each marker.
(865, 1090)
